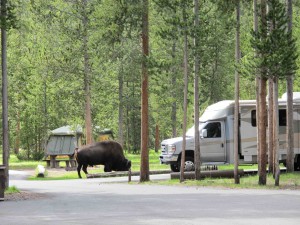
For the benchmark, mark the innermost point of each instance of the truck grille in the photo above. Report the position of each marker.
(163, 149)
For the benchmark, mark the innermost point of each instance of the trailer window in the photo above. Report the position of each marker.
(282, 117)
(253, 118)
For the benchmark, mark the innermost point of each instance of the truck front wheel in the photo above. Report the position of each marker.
(188, 165)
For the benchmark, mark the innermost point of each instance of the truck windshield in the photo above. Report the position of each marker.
(191, 131)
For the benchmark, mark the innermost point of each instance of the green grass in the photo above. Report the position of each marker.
(287, 181)
(16, 164)
(154, 163)
(11, 190)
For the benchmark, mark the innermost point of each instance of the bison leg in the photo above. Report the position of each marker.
(78, 170)
(84, 168)
(107, 168)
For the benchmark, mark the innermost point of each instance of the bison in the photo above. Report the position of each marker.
(107, 153)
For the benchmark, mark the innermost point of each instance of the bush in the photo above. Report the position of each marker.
(37, 156)
(23, 155)
(30, 155)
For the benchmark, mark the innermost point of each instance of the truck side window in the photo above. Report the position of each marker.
(213, 130)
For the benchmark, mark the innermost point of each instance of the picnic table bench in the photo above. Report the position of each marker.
(53, 161)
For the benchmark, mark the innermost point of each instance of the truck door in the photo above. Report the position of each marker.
(213, 144)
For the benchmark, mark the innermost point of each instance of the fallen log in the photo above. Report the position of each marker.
(124, 173)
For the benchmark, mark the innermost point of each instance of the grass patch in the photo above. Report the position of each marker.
(16, 164)
(287, 181)
(11, 190)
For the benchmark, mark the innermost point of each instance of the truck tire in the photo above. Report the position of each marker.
(189, 164)
(175, 167)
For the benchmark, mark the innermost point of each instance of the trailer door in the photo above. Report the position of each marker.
(213, 144)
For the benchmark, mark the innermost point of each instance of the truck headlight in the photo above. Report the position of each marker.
(171, 149)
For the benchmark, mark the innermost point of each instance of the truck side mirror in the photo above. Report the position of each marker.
(203, 133)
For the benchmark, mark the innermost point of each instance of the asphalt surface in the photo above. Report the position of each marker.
(114, 201)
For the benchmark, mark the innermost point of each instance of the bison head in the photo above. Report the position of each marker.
(126, 165)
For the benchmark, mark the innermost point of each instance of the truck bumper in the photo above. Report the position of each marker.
(167, 159)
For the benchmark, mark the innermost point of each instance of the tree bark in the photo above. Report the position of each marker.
(276, 173)
(5, 128)
(270, 113)
(157, 142)
(121, 117)
(196, 95)
(262, 133)
(184, 97)
(174, 105)
(290, 126)
(144, 92)
(17, 140)
(262, 119)
(87, 92)
(257, 83)
(237, 96)
(270, 125)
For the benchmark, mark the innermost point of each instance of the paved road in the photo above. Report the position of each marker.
(105, 201)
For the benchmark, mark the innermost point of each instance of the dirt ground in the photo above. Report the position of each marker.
(23, 195)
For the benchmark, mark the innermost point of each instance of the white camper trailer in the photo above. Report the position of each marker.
(216, 136)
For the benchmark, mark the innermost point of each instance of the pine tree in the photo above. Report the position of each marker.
(277, 50)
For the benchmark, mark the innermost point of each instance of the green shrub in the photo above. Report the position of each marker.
(30, 155)
(23, 155)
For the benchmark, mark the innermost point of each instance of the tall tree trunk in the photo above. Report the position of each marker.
(271, 112)
(290, 127)
(196, 94)
(262, 127)
(237, 96)
(17, 140)
(257, 80)
(185, 62)
(276, 173)
(262, 108)
(270, 125)
(144, 119)
(121, 117)
(87, 92)
(174, 105)
(5, 128)
(127, 141)
(157, 142)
